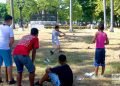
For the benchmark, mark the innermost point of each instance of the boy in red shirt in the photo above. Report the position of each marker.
(21, 55)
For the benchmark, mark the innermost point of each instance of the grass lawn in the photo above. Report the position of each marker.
(80, 54)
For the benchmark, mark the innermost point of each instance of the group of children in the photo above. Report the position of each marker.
(61, 75)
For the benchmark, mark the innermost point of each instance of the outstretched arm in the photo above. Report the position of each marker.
(63, 34)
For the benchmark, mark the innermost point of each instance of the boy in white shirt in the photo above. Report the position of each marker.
(6, 42)
(55, 40)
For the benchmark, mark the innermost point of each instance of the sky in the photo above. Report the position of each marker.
(2, 1)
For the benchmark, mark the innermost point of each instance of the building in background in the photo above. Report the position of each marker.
(45, 16)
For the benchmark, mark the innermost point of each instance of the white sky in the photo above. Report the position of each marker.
(2, 1)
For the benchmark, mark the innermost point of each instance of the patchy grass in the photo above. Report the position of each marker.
(80, 55)
(114, 67)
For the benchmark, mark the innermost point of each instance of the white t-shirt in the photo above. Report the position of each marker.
(55, 35)
(5, 33)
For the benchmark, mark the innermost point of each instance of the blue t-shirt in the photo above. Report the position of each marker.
(64, 73)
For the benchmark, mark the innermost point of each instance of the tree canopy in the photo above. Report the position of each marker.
(83, 10)
(3, 10)
(30, 7)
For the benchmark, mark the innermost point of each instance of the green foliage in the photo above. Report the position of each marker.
(77, 10)
(64, 10)
(3, 10)
(30, 7)
(99, 10)
(62, 7)
(117, 10)
(83, 10)
(47, 4)
(88, 8)
(16, 10)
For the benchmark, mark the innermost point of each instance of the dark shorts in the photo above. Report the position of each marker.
(99, 57)
(22, 61)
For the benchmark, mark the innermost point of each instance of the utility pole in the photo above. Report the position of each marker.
(104, 6)
(12, 13)
(112, 15)
(71, 28)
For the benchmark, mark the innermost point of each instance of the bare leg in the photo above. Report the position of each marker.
(9, 71)
(0, 71)
(6, 74)
(31, 78)
(96, 71)
(44, 78)
(59, 48)
(56, 49)
(0, 75)
(19, 78)
(103, 70)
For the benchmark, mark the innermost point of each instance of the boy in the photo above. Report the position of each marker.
(6, 42)
(55, 40)
(101, 40)
(21, 55)
(63, 71)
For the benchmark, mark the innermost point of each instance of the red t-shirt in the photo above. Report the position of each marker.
(26, 44)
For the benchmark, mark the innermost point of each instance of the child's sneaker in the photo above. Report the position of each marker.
(51, 52)
(12, 82)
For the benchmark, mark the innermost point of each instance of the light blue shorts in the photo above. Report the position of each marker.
(57, 43)
(54, 79)
(5, 55)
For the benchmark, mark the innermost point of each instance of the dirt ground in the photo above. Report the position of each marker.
(80, 54)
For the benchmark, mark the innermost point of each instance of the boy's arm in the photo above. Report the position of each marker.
(35, 47)
(11, 37)
(33, 55)
(63, 34)
(11, 41)
(93, 40)
(48, 70)
(107, 41)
